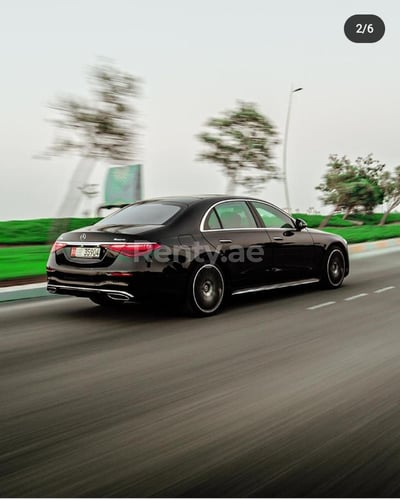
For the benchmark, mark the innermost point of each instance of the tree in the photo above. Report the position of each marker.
(391, 187)
(102, 127)
(349, 185)
(367, 185)
(241, 142)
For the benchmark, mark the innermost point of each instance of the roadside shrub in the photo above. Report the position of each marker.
(39, 231)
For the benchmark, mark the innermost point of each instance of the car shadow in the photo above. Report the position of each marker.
(156, 311)
(164, 311)
(273, 295)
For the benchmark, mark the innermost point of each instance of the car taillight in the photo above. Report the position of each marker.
(132, 249)
(57, 246)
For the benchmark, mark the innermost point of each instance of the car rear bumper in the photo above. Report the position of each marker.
(113, 294)
(133, 287)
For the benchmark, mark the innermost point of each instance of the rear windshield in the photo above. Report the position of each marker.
(142, 214)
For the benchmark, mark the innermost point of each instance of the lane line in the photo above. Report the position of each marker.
(382, 290)
(355, 297)
(326, 304)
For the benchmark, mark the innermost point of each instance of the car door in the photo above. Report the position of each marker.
(293, 250)
(232, 228)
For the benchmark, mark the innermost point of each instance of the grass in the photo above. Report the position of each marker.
(366, 233)
(24, 261)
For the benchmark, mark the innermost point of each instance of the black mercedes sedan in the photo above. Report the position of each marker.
(197, 250)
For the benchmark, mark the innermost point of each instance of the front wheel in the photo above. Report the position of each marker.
(334, 268)
(206, 290)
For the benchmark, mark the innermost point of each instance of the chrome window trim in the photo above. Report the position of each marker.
(238, 229)
(97, 243)
(247, 200)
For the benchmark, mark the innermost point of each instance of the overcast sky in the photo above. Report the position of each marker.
(196, 58)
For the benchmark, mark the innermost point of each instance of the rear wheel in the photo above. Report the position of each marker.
(206, 290)
(334, 268)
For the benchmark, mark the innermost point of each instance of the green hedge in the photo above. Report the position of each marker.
(46, 230)
(337, 220)
(39, 231)
(23, 261)
(26, 260)
(375, 218)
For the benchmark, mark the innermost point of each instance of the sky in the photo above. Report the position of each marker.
(195, 60)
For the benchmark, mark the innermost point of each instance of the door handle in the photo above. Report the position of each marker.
(225, 241)
(277, 238)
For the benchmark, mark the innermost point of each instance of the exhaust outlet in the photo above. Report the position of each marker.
(117, 297)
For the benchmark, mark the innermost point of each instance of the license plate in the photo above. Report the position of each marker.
(85, 252)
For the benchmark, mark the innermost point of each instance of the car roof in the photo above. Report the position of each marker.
(193, 199)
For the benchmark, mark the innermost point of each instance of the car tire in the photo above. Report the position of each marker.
(205, 291)
(333, 268)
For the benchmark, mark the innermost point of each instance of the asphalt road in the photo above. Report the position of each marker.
(292, 393)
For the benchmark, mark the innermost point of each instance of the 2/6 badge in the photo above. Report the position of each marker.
(364, 28)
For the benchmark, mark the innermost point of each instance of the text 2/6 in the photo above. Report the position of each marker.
(364, 28)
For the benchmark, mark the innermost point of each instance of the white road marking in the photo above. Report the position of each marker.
(355, 297)
(326, 304)
(382, 290)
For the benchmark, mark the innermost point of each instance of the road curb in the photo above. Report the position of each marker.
(23, 292)
(374, 245)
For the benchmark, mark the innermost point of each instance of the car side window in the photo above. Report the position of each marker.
(273, 218)
(212, 221)
(235, 215)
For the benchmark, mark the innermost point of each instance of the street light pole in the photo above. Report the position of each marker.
(285, 140)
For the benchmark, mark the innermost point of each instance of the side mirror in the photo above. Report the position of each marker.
(300, 224)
